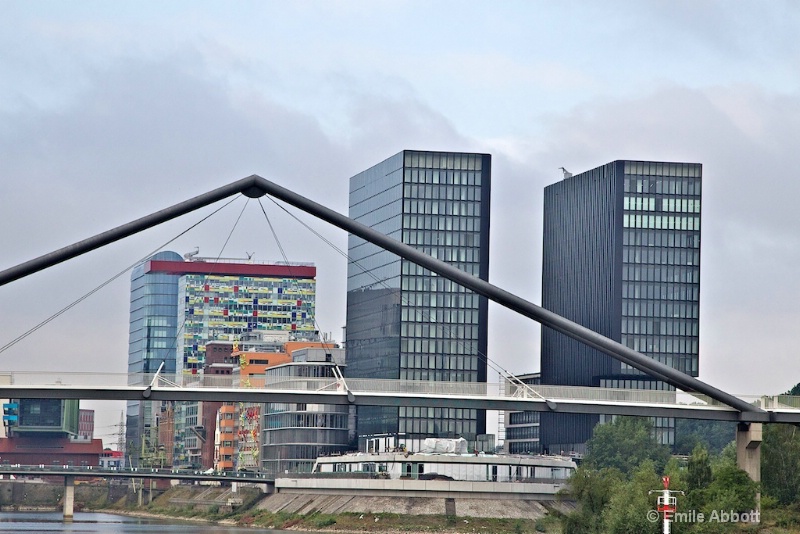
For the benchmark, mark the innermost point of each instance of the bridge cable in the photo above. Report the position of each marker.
(289, 267)
(509, 376)
(104, 284)
(208, 274)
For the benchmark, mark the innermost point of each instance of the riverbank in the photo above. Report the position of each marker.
(332, 514)
(361, 523)
(203, 504)
(263, 511)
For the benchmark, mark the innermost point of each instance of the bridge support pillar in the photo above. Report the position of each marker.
(69, 498)
(748, 452)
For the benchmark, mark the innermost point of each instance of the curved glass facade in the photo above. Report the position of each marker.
(295, 434)
(151, 341)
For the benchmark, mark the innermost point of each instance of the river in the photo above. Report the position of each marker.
(96, 523)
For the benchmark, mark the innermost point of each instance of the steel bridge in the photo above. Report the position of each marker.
(709, 402)
(507, 396)
(255, 186)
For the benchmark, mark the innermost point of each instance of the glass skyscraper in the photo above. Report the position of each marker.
(622, 257)
(151, 341)
(404, 322)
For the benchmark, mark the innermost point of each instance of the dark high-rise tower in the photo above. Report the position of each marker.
(621, 257)
(403, 322)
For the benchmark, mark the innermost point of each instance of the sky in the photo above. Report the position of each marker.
(111, 111)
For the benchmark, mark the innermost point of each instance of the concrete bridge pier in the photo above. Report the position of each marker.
(748, 452)
(69, 498)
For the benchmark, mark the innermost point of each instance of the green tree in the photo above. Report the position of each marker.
(628, 507)
(591, 489)
(624, 444)
(780, 463)
(713, 435)
(699, 469)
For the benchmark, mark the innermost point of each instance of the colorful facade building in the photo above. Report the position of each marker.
(180, 305)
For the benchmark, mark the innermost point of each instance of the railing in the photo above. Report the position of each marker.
(385, 387)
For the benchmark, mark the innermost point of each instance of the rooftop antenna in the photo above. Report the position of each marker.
(567, 174)
(250, 255)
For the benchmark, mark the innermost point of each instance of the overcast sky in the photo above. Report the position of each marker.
(110, 111)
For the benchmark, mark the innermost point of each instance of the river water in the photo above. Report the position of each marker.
(85, 522)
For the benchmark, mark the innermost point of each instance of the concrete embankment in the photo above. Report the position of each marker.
(34, 495)
(363, 504)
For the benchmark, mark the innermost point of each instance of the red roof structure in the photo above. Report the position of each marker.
(50, 451)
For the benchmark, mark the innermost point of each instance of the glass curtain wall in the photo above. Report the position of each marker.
(405, 322)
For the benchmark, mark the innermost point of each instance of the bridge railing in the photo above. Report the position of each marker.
(372, 386)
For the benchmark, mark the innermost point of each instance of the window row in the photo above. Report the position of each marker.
(424, 198)
(443, 160)
(441, 316)
(160, 321)
(681, 205)
(452, 254)
(139, 313)
(662, 327)
(522, 432)
(247, 283)
(669, 291)
(439, 376)
(522, 418)
(228, 296)
(140, 336)
(447, 208)
(662, 185)
(424, 283)
(653, 238)
(661, 222)
(155, 289)
(442, 293)
(657, 308)
(286, 436)
(195, 323)
(658, 273)
(151, 300)
(281, 456)
(449, 239)
(438, 362)
(523, 447)
(459, 345)
(661, 256)
(433, 427)
(626, 383)
(305, 420)
(657, 344)
(159, 278)
(310, 371)
(209, 306)
(439, 283)
(438, 413)
(439, 222)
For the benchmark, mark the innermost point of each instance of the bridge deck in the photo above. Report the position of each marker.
(369, 392)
